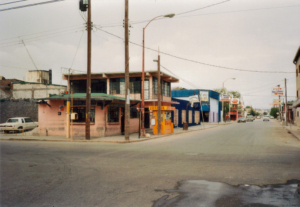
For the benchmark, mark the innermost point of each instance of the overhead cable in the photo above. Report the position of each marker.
(195, 61)
(29, 5)
(12, 2)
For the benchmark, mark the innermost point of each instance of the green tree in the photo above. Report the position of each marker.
(273, 112)
(257, 114)
(235, 94)
(248, 107)
(252, 112)
(265, 113)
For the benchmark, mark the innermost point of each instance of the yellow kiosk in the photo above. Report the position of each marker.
(166, 125)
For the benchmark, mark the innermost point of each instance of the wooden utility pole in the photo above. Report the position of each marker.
(159, 96)
(279, 104)
(127, 91)
(285, 102)
(88, 80)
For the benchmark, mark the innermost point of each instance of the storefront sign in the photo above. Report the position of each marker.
(204, 96)
(225, 97)
(163, 108)
(277, 91)
(235, 101)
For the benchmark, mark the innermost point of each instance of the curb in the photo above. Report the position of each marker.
(104, 141)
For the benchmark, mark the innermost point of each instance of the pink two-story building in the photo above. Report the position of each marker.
(107, 103)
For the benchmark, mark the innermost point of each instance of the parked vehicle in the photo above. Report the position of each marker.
(266, 118)
(250, 118)
(241, 119)
(18, 123)
(271, 117)
(258, 117)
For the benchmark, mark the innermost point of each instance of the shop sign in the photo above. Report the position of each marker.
(235, 101)
(277, 91)
(204, 96)
(225, 97)
(163, 108)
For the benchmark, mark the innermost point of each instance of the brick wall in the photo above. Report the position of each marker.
(18, 108)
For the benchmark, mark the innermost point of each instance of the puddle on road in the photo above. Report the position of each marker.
(214, 194)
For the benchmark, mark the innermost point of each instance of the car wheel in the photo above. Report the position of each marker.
(20, 130)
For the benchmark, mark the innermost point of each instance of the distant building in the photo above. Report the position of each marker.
(39, 76)
(192, 113)
(6, 86)
(296, 104)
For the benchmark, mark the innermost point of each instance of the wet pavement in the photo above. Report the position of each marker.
(215, 194)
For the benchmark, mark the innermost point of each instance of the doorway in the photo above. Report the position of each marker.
(147, 118)
(122, 121)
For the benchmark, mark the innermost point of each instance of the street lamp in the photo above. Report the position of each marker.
(143, 70)
(222, 101)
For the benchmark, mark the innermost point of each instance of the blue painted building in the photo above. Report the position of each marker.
(189, 110)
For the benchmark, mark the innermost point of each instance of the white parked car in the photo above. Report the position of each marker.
(18, 123)
(266, 118)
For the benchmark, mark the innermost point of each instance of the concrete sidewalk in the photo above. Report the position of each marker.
(292, 129)
(109, 139)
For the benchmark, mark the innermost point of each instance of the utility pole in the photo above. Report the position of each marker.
(279, 104)
(127, 91)
(159, 95)
(285, 103)
(88, 80)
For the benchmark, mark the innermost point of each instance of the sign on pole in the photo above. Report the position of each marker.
(224, 97)
(277, 91)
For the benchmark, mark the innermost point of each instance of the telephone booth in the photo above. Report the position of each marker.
(166, 125)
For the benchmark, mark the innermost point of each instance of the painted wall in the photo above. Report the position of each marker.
(37, 76)
(55, 125)
(32, 91)
(18, 108)
(214, 111)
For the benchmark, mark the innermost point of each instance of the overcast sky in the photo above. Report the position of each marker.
(249, 35)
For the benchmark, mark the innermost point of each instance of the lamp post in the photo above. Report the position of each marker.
(222, 101)
(143, 71)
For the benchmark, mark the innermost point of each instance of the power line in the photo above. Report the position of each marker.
(29, 55)
(195, 61)
(12, 2)
(77, 49)
(202, 8)
(52, 30)
(39, 38)
(29, 5)
(238, 11)
(180, 78)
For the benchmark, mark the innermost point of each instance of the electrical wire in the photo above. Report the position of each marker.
(238, 11)
(195, 61)
(29, 55)
(191, 84)
(202, 8)
(29, 5)
(39, 38)
(77, 50)
(52, 30)
(12, 2)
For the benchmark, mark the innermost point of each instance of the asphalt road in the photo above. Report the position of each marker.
(137, 174)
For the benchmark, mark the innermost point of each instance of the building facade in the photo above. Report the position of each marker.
(296, 104)
(193, 111)
(108, 103)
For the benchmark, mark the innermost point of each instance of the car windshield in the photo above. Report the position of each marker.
(12, 120)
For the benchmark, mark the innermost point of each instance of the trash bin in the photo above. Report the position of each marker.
(185, 126)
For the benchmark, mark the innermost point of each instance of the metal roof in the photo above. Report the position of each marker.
(82, 96)
(296, 56)
(122, 74)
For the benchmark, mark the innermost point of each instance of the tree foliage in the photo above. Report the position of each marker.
(265, 113)
(235, 94)
(273, 112)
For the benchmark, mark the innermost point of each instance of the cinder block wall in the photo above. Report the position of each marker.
(18, 108)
